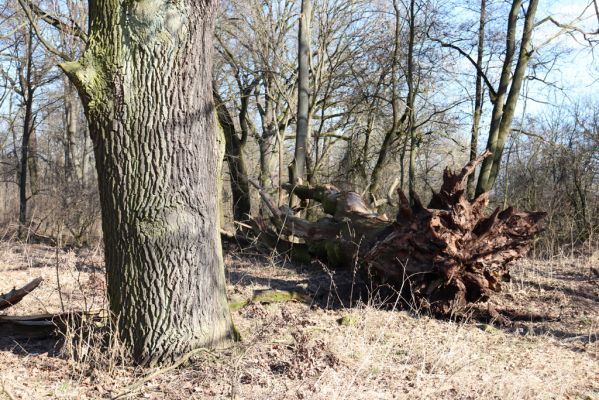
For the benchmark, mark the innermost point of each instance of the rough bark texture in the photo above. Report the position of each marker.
(297, 169)
(508, 92)
(16, 295)
(442, 256)
(145, 82)
(240, 188)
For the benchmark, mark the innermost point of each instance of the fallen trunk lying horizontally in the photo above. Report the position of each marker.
(42, 325)
(443, 256)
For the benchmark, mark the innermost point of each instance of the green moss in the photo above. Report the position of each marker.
(334, 256)
(152, 228)
(348, 320)
(89, 81)
(278, 296)
(238, 305)
(328, 205)
(486, 328)
(301, 254)
(340, 253)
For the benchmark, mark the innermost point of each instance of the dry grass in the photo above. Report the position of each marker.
(300, 351)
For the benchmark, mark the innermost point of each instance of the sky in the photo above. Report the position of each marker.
(577, 72)
(573, 77)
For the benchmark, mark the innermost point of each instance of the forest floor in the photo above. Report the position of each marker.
(322, 347)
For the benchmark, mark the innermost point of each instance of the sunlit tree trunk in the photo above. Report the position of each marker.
(145, 82)
(240, 189)
(375, 175)
(506, 100)
(411, 103)
(298, 167)
(478, 93)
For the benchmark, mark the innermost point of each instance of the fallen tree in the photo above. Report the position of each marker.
(42, 325)
(444, 255)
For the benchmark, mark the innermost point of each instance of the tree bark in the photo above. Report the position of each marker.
(524, 55)
(375, 175)
(234, 154)
(71, 109)
(411, 102)
(27, 90)
(145, 83)
(504, 108)
(297, 169)
(478, 94)
(16, 295)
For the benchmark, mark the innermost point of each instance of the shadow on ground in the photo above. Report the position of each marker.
(31, 346)
(341, 289)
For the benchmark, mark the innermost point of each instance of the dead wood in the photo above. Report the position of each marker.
(46, 325)
(444, 255)
(16, 295)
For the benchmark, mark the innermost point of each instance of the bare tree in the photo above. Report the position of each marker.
(29, 70)
(505, 98)
(478, 93)
(297, 169)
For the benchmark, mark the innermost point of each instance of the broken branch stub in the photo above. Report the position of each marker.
(16, 295)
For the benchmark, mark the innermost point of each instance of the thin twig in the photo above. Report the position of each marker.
(48, 46)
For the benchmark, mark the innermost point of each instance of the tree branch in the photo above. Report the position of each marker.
(71, 28)
(33, 23)
(492, 92)
(14, 296)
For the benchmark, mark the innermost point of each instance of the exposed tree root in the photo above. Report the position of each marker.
(444, 255)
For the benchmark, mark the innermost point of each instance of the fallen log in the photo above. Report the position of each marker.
(47, 325)
(444, 255)
(31, 327)
(16, 295)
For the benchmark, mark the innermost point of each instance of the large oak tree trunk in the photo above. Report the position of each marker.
(145, 82)
(442, 256)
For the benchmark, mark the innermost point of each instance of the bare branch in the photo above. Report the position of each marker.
(33, 23)
(569, 27)
(492, 92)
(14, 296)
(71, 28)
